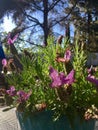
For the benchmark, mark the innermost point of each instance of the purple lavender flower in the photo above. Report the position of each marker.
(4, 62)
(92, 79)
(70, 77)
(11, 91)
(67, 55)
(91, 70)
(12, 40)
(23, 96)
(56, 81)
(59, 79)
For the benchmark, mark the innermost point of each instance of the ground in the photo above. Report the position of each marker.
(8, 119)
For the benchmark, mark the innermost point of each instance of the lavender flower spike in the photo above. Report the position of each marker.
(4, 62)
(92, 79)
(11, 91)
(70, 77)
(56, 81)
(23, 96)
(59, 79)
(12, 40)
(67, 55)
(66, 58)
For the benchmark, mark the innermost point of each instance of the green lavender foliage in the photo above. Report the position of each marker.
(84, 93)
(35, 75)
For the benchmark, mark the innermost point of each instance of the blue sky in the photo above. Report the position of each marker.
(8, 25)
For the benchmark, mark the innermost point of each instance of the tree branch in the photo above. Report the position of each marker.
(36, 6)
(62, 19)
(31, 18)
(34, 20)
(32, 43)
(53, 5)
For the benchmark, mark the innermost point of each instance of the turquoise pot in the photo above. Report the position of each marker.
(44, 121)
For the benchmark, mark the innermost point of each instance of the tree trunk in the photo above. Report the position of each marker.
(89, 33)
(45, 25)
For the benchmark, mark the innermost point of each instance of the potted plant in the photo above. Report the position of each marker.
(55, 89)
